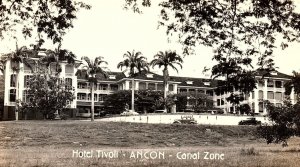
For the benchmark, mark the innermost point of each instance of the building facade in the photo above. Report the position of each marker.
(16, 84)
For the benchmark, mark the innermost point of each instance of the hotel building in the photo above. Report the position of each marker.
(16, 85)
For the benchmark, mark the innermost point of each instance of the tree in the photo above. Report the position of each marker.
(147, 101)
(286, 118)
(46, 95)
(294, 83)
(245, 109)
(135, 63)
(181, 102)
(237, 30)
(115, 103)
(92, 69)
(47, 18)
(57, 56)
(286, 123)
(166, 59)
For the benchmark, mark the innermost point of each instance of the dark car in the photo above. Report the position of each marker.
(185, 120)
(250, 121)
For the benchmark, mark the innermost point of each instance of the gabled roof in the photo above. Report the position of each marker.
(264, 73)
(119, 75)
(147, 75)
(194, 82)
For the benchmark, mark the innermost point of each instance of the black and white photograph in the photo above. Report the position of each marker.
(150, 83)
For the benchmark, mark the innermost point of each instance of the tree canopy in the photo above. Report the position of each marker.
(46, 95)
(46, 18)
(239, 31)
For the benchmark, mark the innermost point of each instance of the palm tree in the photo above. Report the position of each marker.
(166, 59)
(2, 65)
(19, 57)
(92, 68)
(135, 63)
(57, 56)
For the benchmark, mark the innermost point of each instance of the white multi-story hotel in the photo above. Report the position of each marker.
(16, 84)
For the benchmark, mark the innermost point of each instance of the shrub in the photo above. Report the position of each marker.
(248, 151)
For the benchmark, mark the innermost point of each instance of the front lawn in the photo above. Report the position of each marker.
(51, 143)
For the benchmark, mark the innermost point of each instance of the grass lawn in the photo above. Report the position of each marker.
(54, 143)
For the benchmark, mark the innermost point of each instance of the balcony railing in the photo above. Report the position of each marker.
(88, 103)
(69, 74)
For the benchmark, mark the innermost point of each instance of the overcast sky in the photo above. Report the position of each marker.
(108, 30)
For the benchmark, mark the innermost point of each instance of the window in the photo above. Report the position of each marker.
(270, 95)
(116, 87)
(27, 97)
(151, 86)
(142, 85)
(260, 94)
(27, 80)
(81, 96)
(191, 90)
(253, 95)
(149, 75)
(270, 83)
(201, 91)
(261, 83)
(81, 85)
(12, 95)
(182, 90)
(278, 105)
(247, 96)
(68, 82)
(171, 87)
(222, 102)
(206, 83)
(273, 73)
(218, 102)
(120, 86)
(112, 77)
(209, 92)
(95, 97)
(160, 87)
(103, 87)
(102, 97)
(53, 68)
(278, 84)
(27, 68)
(278, 96)
(13, 80)
(69, 69)
(260, 107)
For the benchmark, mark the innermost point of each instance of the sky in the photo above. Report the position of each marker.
(108, 30)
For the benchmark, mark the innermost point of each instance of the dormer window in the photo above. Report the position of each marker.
(189, 82)
(206, 83)
(112, 77)
(149, 75)
(274, 73)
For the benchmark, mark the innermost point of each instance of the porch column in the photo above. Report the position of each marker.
(292, 96)
(136, 85)
(256, 109)
(265, 94)
(126, 85)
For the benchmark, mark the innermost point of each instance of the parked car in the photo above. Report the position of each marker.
(55, 116)
(189, 119)
(129, 113)
(250, 121)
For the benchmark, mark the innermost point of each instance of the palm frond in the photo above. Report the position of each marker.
(87, 60)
